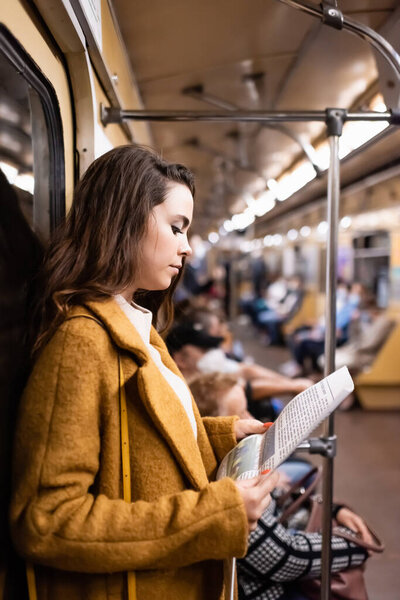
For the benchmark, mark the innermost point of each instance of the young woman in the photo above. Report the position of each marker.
(124, 241)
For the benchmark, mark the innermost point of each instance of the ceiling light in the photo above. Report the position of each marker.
(273, 185)
(263, 204)
(25, 182)
(380, 107)
(323, 155)
(228, 226)
(357, 133)
(268, 240)
(345, 222)
(322, 228)
(292, 234)
(242, 220)
(249, 199)
(305, 231)
(213, 237)
(9, 171)
(378, 104)
(291, 182)
(277, 239)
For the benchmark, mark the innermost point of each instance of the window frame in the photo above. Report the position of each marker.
(29, 70)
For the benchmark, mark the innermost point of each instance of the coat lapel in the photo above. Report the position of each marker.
(161, 402)
(171, 420)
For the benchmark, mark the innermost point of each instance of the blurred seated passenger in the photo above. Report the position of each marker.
(278, 555)
(195, 351)
(252, 305)
(20, 256)
(276, 291)
(259, 274)
(218, 395)
(367, 336)
(271, 319)
(215, 324)
(308, 343)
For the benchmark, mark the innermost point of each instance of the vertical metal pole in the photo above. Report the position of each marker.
(330, 345)
(230, 595)
(233, 282)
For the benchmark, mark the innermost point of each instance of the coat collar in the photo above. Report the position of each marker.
(120, 329)
(160, 400)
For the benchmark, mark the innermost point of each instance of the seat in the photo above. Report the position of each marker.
(379, 387)
(309, 310)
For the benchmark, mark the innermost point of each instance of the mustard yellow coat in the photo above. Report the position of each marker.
(67, 515)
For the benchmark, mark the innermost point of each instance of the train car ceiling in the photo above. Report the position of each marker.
(258, 56)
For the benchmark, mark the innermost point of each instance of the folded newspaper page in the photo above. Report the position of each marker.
(262, 452)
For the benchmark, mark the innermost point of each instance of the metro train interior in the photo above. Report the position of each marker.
(241, 93)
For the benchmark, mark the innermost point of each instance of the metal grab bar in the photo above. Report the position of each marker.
(358, 29)
(308, 149)
(319, 445)
(115, 115)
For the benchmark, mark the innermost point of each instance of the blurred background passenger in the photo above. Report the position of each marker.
(196, 351)
(308, 343)
(279, 554)
(214, 323)
(271, 319)
(367, 335)
(252, 304)
(21, 254)
(259, 275)
(219, 395)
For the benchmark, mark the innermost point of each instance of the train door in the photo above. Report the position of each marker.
(36, 176)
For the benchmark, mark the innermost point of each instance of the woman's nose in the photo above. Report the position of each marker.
(185, 248)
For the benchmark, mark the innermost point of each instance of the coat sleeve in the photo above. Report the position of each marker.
(221, 434)
(57, 521)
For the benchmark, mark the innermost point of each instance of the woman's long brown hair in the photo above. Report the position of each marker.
(95, 253)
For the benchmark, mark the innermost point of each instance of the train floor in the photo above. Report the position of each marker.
(366, 471)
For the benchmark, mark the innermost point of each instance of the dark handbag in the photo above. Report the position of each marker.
(345, 585)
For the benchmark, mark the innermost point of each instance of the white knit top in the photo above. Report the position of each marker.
(141, 320)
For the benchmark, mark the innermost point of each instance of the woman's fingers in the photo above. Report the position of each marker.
(256, 495)
(244, 427)
(354, 522)
(268, 482)
(363, 530)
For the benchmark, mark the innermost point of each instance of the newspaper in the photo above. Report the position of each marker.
(261, 453)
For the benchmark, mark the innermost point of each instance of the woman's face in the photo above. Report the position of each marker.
(165, 243)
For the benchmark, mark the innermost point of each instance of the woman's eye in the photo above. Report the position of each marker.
(175, 229)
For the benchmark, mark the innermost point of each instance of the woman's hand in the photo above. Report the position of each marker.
(256, 495)
(245, 427)
(354, 522)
